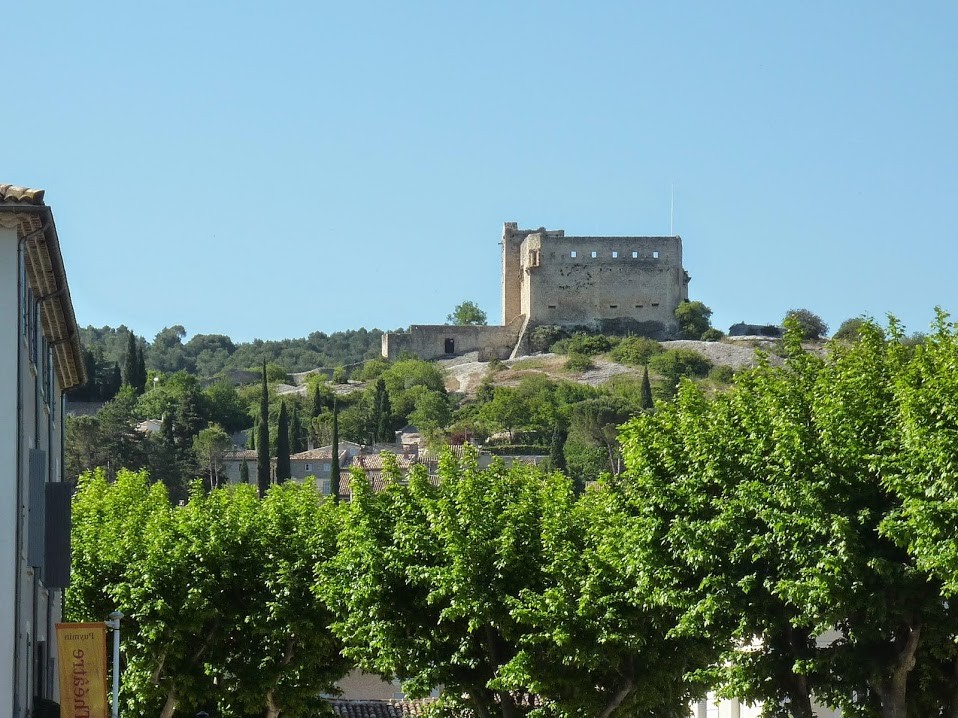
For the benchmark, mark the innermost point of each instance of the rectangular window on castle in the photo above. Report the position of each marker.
(613, 306)
(615, 255)
(655, 255)
(572, 254)
(594, 255)
(635, 255)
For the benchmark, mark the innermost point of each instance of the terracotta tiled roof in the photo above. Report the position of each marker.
(375, 462)
(322, 454)
(11, 194)
(24, 210)
(381, 709)
(240, 454)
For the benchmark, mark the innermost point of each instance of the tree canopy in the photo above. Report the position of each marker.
(466, 314)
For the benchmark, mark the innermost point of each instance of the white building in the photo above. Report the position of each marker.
(39, 359)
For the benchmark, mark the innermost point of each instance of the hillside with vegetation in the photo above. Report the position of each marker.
(565, 402)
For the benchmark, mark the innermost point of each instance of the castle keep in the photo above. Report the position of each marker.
(615, 284)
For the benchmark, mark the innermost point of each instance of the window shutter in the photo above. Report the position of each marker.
(36, 505)
(59, 498)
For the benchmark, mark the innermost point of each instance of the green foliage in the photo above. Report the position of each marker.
(467, 314)
(282, 445)
(581, 343)
(811, 325)
(693, 318)
(645, 399)
(220, 613)
(263, 478)
(371, 370)
(340, 375)
(488, 585)
(805, 508)
(674, 364)
(210, 355)
(712, 335)
(405, 375)
(210, 446)
(636, 350)
(542, 337)
(225, 406)
(578, 362)
(276, 373)
(722, 374)
(850, 330)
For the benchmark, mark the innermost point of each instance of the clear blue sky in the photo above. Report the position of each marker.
(272, 169)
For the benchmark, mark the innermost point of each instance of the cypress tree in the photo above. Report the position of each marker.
(244, 472)
(140, 385)
(334, 462)
(282, 446)
(129, 363)
(382, 411)
(262, 439)
(295, 430)
(556, 450)
(645, 398)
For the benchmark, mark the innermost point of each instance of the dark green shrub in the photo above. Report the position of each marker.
(712, 335)
(543, 337)
(636, 350)
(676, 363)
(722, 374)
(580, 343)
(578, 362)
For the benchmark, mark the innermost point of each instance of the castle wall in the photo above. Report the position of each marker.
(432, 341)
(632, 282)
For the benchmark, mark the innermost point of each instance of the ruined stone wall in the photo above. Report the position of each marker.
(601, 281)
(432, 341)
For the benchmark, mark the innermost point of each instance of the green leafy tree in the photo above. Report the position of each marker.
(218, 594)
(850, 330)
(210, 446)
(488, 585)
(467, 314)
(636, 350)
(262, 439)
(82, 449)
(767, 510)
(244, 472)
(120, 443)
(694, 319)
(811, 325)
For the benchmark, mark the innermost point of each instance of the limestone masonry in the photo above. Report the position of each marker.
(613, 284)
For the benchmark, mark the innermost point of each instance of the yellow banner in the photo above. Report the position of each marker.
(81, 648)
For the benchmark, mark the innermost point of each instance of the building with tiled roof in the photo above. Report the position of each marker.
(345, 708)
(39, 360)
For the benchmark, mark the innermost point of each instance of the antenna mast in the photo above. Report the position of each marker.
(672, 213)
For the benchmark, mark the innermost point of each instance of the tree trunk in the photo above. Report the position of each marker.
(892, 688)
(620, 695)
(953, 708)
(799, 693)
(170, 706)
(272, 710)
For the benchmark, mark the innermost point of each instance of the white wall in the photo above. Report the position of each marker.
(9, 348)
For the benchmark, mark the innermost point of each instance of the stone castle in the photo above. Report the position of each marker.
(612, 284)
